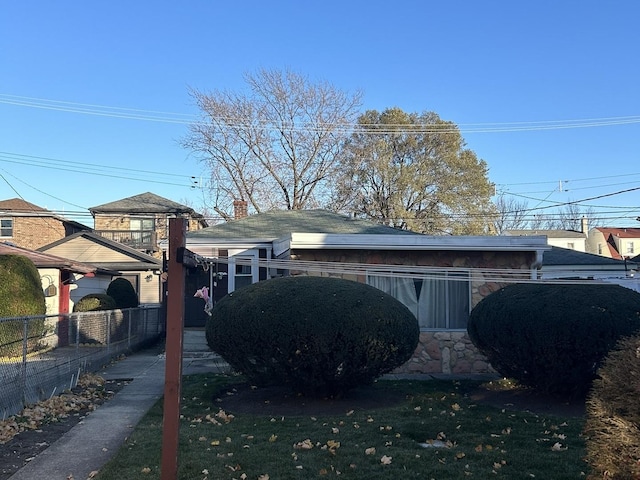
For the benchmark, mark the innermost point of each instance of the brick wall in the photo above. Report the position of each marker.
(35, 232)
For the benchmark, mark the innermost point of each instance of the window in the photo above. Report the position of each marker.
(439, 301)
(6, 227)
(243, 274)
(571, 246)
(145, 228)
(599, 249)
(630, 247)
(243, 268)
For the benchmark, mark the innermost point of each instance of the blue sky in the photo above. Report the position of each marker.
(546, 92)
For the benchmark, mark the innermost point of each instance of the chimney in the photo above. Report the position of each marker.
(584, 225)
(240, 209)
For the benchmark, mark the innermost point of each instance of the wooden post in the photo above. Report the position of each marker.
(173, 367)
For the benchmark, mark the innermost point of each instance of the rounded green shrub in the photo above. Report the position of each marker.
(553, 336)
(21, 291)
(121, 290)
(94, 302)
(612, 428)
(318, 335)
(21, 295)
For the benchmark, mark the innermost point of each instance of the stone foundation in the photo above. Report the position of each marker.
(447, 352)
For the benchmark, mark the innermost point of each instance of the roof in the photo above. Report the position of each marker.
(277, 223)
(564, 256)
(44, 260)
(20, 205)
(547, 233)
(21, 208)
(620, 232)
(145, 203)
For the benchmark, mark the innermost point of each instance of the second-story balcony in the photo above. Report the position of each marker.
(138, 239)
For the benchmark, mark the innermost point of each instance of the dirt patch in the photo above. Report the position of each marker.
(280, 401)
(26, 445)
(243, 398)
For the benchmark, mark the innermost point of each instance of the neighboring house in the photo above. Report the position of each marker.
(448, 269)
(58, 277)
(30, 226)
(142, 221)
(118, 260)
(569, 239)
(618, 243)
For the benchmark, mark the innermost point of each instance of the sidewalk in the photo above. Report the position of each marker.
(90, 444)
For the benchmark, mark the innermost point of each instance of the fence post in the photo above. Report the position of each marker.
(25, 339)
(109, 332)
(130, 311)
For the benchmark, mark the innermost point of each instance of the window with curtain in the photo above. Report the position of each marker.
(439, 301)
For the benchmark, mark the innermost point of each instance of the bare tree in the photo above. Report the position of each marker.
(511, 214)
(277, 146)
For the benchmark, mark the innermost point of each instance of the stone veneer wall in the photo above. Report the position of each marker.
(438, 351)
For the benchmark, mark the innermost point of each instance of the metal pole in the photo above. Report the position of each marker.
(173, 366)
(25, 339)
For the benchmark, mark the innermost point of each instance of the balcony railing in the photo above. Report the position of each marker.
(138, 239)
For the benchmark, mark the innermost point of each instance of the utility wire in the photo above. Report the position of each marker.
(370, 129)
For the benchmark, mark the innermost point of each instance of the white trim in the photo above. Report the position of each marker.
(409, 242)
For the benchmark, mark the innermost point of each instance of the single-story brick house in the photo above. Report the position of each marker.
(456, 271)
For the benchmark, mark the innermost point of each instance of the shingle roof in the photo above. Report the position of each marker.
(144, 203)
(620, 232)
(548, 233)
(563, 256)
(20, 205)
(277, 223)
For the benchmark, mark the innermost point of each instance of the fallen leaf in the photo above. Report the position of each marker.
(370, 451)
(146, 470)
(385, 460)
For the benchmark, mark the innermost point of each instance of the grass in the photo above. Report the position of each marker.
(467, 440)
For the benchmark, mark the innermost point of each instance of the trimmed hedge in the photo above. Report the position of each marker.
(94, 302)
(21, 295)
(318, 335)
(121, 290)
(612, 429)
(553, 336)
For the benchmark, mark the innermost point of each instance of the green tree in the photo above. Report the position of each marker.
(413, 171)
(277, 146)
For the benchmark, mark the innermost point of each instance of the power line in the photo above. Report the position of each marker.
(370, 129)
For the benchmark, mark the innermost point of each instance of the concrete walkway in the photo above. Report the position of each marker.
(90, 444)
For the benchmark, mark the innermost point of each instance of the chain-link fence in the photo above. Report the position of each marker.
(41, 356)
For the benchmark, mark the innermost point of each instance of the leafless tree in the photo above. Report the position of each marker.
(511, 214)
(277, 146)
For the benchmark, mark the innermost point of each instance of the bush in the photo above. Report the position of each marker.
(121, 290)
(21, 295)
(613, 414)
(551, 336)
(320, 336)
(94, 302)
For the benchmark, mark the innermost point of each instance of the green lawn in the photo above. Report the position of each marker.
(476, 441)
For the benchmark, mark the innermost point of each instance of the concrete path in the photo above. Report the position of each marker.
(90, 444)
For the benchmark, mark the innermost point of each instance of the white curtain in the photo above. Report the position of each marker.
(439, 302)
(402, 289)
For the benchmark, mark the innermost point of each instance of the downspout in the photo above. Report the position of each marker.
(537, 264)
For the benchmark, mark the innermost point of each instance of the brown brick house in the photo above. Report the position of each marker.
(141, 221)
(29, 226)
